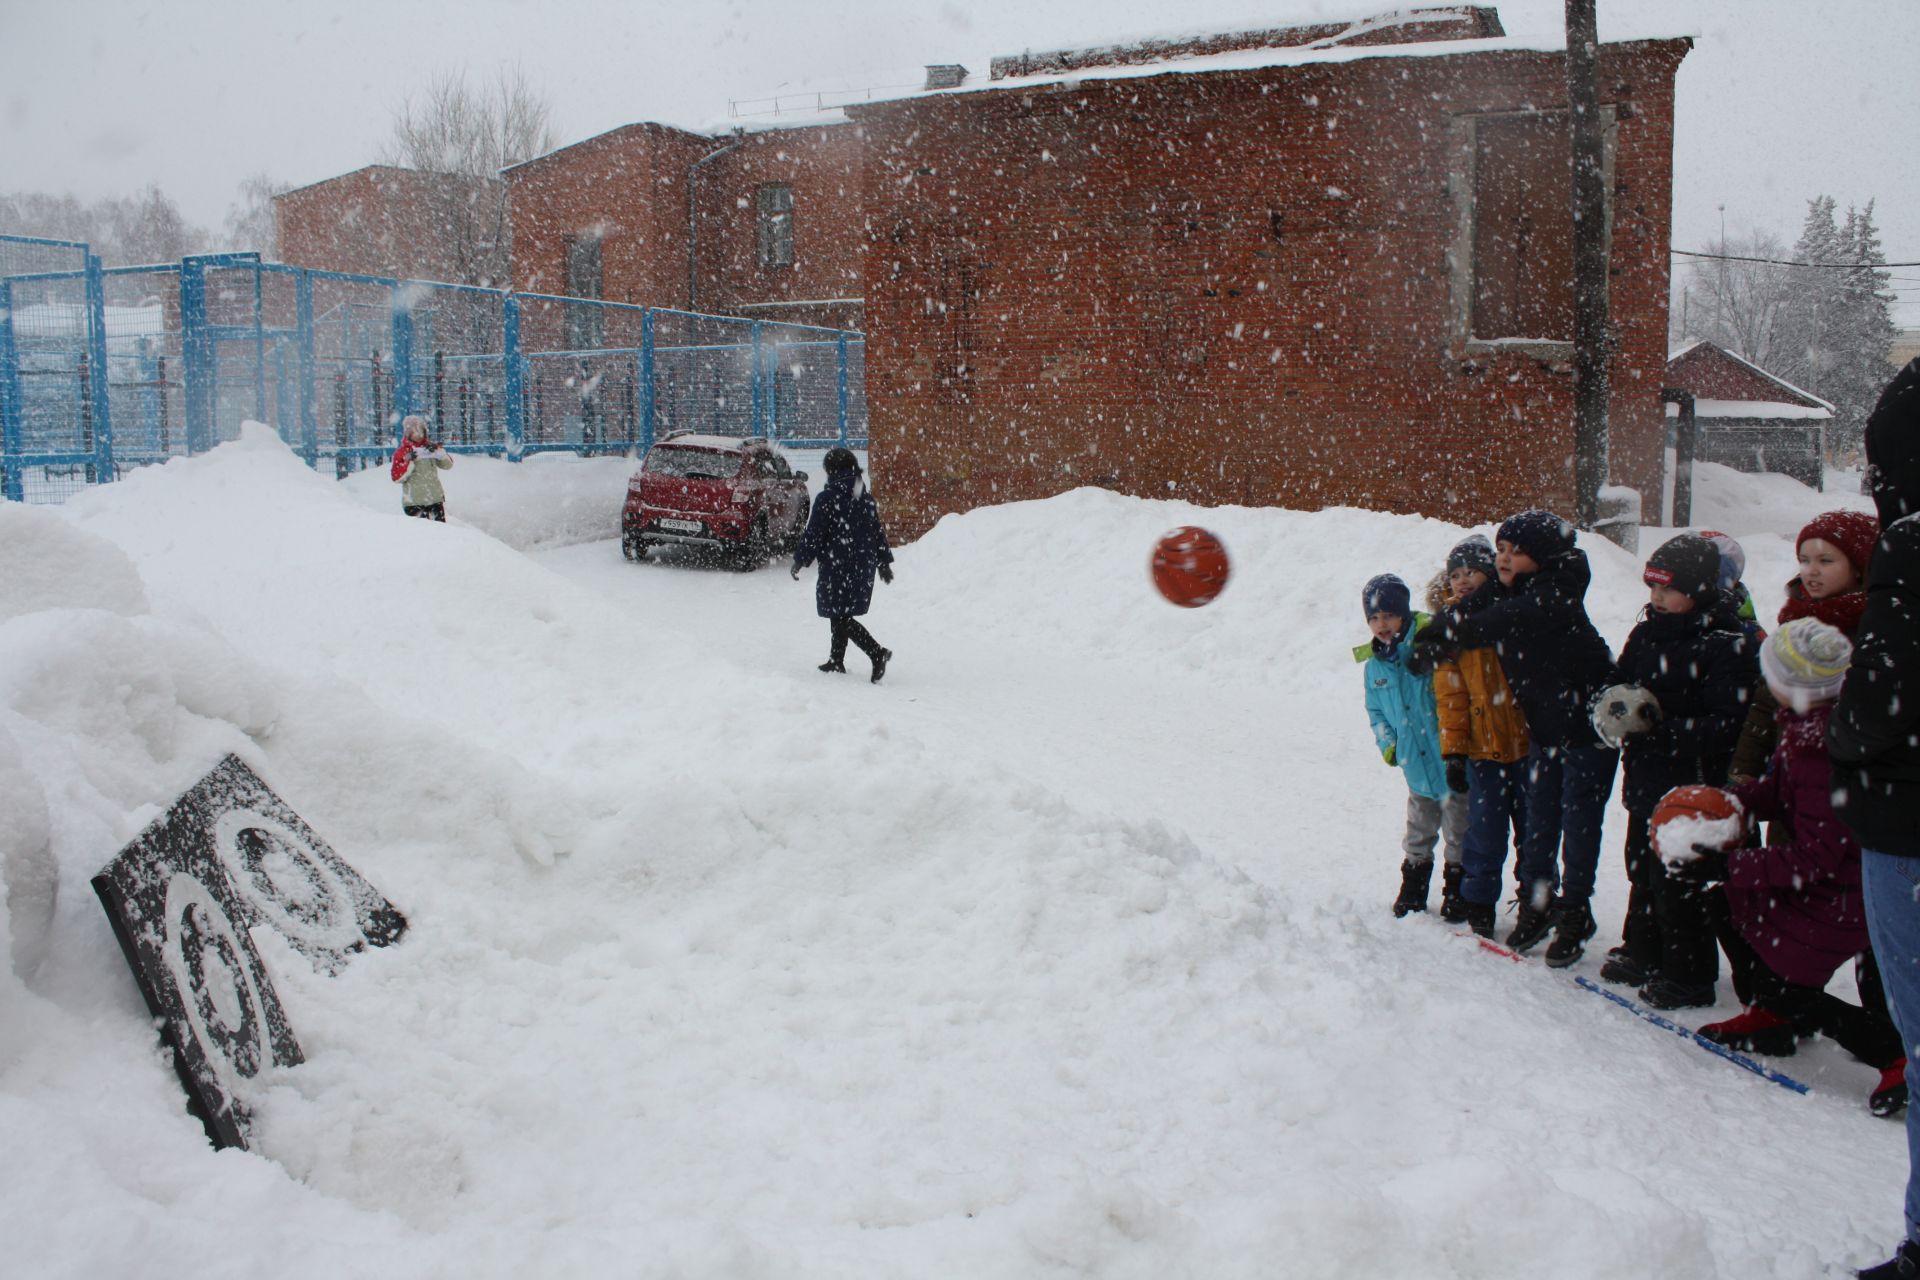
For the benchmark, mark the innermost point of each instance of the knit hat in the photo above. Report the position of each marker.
(1806, 662)
(1541, 534)
(1854, 532)
(1386, 594)
(1733, 557)
(840, 458)
(1688, 564)
(1473, 552)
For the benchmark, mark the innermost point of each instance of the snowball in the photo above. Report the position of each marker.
(1675, 838)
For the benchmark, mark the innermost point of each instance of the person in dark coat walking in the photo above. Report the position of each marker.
(1873, 739)
(1555, 661)
(845, 535)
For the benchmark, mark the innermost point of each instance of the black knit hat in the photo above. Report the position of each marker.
(1689, 564)
(1541, 534)
(1473, 552)
(1386, 594)
(840, 458)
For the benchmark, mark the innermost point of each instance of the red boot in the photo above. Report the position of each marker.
(1755, 1030)
(1890, 1098)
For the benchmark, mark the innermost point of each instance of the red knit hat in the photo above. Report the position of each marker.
(1854, 532)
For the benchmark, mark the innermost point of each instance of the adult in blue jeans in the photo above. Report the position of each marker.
(1873, 739)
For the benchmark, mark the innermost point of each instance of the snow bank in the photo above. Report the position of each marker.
(1063, 952)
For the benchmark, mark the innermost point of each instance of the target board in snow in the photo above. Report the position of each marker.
(182, 896)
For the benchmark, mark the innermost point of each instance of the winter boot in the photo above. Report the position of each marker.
(834, 664)
(1570, 933)
(1453, 907)
(1665, 993)
(1533, 924)
(1622, 970)
(1478, 917)
(1890, 1098)
(1414, 878)
(1755, 1030)
(880, 660)
(1904, 1265)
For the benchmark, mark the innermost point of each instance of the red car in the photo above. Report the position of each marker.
(719, 493)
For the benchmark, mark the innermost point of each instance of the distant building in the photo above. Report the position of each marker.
(382, 221)
(1906, 345)
(1749, 419)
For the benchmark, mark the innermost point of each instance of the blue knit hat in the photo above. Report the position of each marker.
(1541, 534)
(1386, 594)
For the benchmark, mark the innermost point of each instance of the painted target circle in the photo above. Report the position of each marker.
(217, 989)
(286, 879)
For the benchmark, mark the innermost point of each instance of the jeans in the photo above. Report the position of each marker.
(1892, 887)
(1496, 801)
(1567, 791)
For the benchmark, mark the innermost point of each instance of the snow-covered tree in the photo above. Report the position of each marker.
(122, 230)
(454, 129)
(1836, 330)
(250, 221)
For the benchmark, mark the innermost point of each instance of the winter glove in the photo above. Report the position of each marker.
(796, 571)
(886, 573)
(1707, 866)
(1426, 654)
(1456, 774)
(1386, 753)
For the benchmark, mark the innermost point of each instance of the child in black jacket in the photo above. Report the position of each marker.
(1536, 619)
(1690, 651)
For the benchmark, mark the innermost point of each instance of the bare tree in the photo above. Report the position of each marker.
(1736, 304)
(467, 136)
(250, 220)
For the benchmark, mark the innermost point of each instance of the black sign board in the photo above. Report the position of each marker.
(181, 897)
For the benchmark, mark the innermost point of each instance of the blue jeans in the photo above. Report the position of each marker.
(1496, 801)
(1892, 888)
(1567, 791)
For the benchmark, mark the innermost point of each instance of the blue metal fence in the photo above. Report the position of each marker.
(333, 361)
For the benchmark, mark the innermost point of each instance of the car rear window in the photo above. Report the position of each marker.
(694, 464)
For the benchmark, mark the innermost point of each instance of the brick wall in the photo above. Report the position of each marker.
(1235, 287)
(374, 221)
(1711, 374)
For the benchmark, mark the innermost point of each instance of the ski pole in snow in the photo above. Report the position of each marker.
(1737, 1059)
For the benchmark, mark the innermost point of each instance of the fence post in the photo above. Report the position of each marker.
(12, 437)
(759, 403)
(260, 352)
(402, 312)
(840, 344)
(516, 378)
(646, 379)
(98, 393)
(309, 365)
(197, 368)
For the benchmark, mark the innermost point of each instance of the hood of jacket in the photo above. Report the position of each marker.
(1893, 446)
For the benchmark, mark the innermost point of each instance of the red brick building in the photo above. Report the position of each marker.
(1306, 277)
(1747, 418)
(377, 221)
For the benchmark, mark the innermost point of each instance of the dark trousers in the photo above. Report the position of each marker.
(1496, 803)
(1864, 1030)
(845, 629)
(433, 511)
(1670, 927)
(1567, 790)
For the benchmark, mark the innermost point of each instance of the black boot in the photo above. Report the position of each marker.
(1453, 907)
(1414, 879)
(1570, 933)
(1533, 924)
(1904, 1265)
(1623, 970)
(834, 664)
(880, 660)
(1479, 917)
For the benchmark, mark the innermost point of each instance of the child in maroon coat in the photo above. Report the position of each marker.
(1793, 911)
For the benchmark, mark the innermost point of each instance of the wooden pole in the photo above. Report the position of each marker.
(1589, 263)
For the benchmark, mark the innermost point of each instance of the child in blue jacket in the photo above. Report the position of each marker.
(1406, 728)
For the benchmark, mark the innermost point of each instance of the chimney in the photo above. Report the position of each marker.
(947, 76)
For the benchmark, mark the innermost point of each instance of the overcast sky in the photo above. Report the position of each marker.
(1779, 101)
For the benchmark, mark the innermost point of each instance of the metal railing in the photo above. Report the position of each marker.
(333, 361)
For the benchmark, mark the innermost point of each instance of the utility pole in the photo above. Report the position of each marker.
(1590, 344)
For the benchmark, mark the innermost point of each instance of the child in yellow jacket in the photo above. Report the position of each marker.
(1483, 743)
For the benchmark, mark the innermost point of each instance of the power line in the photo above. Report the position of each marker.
(1781, 262)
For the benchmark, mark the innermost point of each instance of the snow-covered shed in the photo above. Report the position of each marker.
(1747, 418)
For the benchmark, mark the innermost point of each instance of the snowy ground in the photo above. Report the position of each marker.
(1064, 952)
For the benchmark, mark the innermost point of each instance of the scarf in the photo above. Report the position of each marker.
(1842, 611)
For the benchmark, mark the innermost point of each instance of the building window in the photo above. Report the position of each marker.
(584, 321)
(1514, 267)
(774, 204)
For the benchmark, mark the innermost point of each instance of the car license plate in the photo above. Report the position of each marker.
(681, 526)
